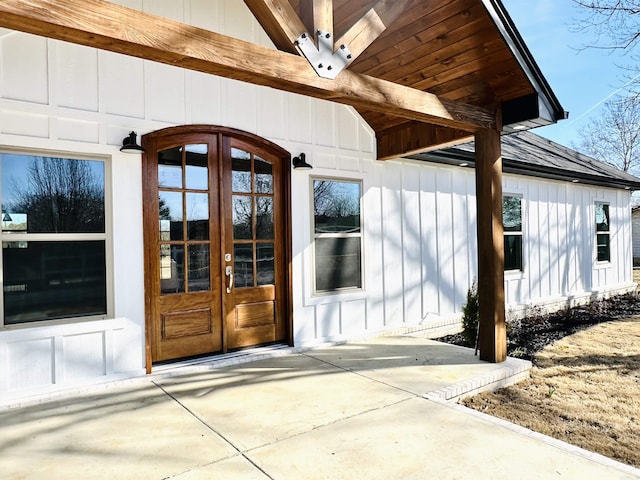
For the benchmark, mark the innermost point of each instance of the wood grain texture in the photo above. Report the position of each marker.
(493, 337)
(371, 25)
(414, 137)
(280, 21)
(107, 26)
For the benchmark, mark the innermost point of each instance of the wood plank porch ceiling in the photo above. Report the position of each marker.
(452, 49)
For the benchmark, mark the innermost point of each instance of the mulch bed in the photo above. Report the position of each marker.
(527, 336)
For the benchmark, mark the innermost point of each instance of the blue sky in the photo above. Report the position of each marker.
(581, 79)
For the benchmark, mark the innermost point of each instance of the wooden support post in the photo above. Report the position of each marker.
(493, 333)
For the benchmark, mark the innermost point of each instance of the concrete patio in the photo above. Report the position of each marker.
(376, 409)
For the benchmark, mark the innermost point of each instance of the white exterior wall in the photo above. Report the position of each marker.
(560, 258)
(420, 249)
(418, 219)
(418, 255)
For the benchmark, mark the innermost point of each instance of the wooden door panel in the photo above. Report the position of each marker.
(257, 294)
(186, 323)
(182, 244)
(254, 312)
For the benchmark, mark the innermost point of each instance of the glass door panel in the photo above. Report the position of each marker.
(197, 169)
(264, 218)
(241, 171)
(253, 218)
(183, 200)
(170, 168)
(171, 268)
(242, 218)
(264, 176)
(199, 268)
(197, 205)
(170, 214)
(265, 263)
(243, 265)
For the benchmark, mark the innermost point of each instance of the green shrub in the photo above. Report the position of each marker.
(470, 316)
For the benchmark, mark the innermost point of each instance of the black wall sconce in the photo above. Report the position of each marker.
(130, 144)
(300, 162)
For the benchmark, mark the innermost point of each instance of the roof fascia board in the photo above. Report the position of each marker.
(550, 105)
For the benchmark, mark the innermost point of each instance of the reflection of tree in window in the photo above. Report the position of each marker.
(165, 211)
(336, 206)
(264, 218)
(242, 225)
(60, 195)
(512, 224)
(603, 239)
(337, 235)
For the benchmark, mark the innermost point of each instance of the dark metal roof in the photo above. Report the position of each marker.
(525, 153)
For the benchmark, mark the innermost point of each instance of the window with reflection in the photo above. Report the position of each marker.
(253, 219)
(603, 233)
(183, 213)
(512, 225)
(53, 238)
(337, 235)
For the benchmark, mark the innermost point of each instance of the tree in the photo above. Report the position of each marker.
(614, 26)
(614, 136)
(614, 22)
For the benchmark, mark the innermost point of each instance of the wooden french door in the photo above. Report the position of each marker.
(217, 246)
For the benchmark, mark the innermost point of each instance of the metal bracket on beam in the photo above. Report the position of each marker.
(324, 61)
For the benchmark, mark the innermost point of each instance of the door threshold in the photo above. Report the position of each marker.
(218, 360)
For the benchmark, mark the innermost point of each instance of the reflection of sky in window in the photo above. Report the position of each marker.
(197, 205)
(14, 170)
(349, 188)
(196, 148)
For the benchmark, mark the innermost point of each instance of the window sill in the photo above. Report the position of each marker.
(602, 265)
(514, 274)
(331, 297)
(53, 323)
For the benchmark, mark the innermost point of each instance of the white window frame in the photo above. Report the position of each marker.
(516, 233)
(314, 236)
(602, 232)
(106, 236)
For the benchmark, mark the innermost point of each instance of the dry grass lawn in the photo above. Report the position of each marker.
(584, 389)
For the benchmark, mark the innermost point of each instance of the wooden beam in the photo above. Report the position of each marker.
(310, 10)
(415, 137)
(107, 26)
(493, 336)
(322, 15)
(279, 20)
(371, 25)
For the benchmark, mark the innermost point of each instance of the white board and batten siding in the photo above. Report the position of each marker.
(62, 99)
(418, 219)
(559, 242)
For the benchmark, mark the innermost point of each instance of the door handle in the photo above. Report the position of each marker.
(229, 273)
